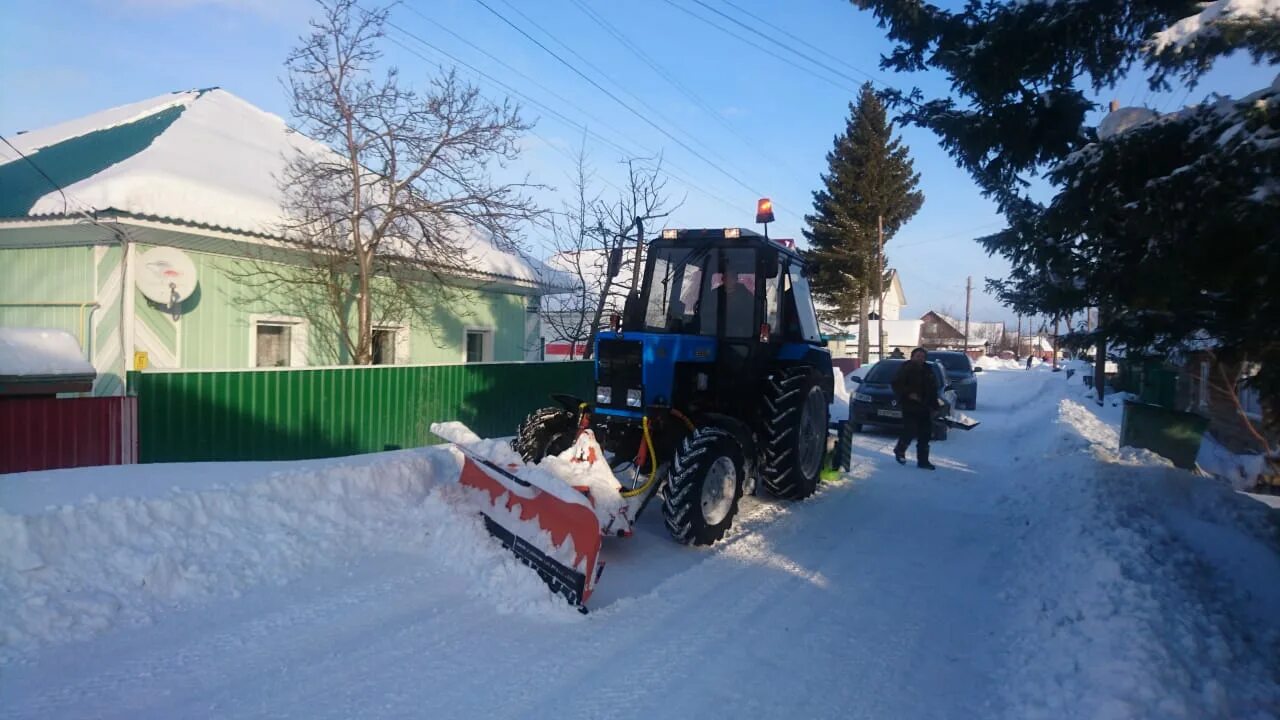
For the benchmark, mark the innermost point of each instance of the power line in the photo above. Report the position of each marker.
(643, 117)
(621, 86)
(505, 65)
(40, 170)
(802, 41)
(561, 116)
(771, 39)
(952, 236)
(675, 82)
(762, 48)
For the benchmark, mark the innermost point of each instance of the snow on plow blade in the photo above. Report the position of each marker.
(556, 535)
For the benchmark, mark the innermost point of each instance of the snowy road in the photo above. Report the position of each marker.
(1038, 573)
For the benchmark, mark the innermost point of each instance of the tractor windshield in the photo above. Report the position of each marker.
(701, 291)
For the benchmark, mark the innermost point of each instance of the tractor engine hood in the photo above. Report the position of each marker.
(627, 362)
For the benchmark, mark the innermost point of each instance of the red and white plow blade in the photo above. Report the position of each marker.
(548, 515)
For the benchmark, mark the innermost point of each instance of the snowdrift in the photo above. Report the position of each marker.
(69, 571)
(993, 363)
(1141, 590)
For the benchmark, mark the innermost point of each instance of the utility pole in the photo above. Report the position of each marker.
(1055, 342)
(968, 292)
(1017, 343)
(880, 278)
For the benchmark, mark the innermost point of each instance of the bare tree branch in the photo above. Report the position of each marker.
(386, 212)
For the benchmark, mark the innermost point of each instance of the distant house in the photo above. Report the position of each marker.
(894, 298)
(900, 335)
(942, 332)
(196, 172)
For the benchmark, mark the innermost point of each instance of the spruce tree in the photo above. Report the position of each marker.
(870, 177)
(1166, 224)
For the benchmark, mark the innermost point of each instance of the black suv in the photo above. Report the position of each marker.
(961, 376)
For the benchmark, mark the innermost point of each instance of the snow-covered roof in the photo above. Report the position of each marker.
(201, 157)
(41, 352)
(1122, 119)
(979, 332)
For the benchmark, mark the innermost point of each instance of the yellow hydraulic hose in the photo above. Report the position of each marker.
(653, 462)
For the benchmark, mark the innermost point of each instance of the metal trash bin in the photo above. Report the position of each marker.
(1172, 434)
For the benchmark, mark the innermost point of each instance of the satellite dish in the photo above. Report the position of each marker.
(166, 276)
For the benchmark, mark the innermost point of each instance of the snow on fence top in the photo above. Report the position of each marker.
(36, 352)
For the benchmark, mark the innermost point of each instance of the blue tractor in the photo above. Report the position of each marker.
(713, 377)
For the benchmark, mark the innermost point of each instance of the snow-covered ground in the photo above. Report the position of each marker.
(1040, 572)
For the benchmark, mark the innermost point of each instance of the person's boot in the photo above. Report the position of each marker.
(922, 458)
(900, 453)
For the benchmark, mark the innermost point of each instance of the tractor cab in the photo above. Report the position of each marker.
(730, 284)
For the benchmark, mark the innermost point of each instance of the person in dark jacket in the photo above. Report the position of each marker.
(916, 389)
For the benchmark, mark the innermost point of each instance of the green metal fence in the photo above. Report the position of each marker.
(324, 412)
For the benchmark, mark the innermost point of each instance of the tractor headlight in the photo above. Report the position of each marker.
(862, 397)
(604, 395)
(633, 398)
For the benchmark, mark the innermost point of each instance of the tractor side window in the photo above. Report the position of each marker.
(804, 305)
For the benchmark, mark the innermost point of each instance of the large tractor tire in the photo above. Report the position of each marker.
(795, 433)
(549, 431)
(704, 487)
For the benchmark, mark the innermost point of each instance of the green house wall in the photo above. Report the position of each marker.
(214, 327)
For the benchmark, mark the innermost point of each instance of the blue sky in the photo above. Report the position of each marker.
(765, 123)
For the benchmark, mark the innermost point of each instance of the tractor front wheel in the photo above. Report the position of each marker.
(549, 431)
(704, 487)
(795, 437)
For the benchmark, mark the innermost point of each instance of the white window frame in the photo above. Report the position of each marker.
(297, 337)
(487, 350)
(401, 349)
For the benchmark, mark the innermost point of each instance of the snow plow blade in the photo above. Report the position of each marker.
(558, 538)
(960, 421)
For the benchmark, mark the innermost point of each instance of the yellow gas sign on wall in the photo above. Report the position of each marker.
(140, 360)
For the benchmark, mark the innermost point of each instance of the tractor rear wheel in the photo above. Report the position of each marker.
(795, 433)
(704, 487)
(549, 431)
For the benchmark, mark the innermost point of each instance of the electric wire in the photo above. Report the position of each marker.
(679, 86)
(613, 96)
(668, 166)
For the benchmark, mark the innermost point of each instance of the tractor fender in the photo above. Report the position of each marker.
(739, 429)
(566, 401)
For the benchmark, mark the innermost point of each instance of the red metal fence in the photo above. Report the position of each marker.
(47, 433)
